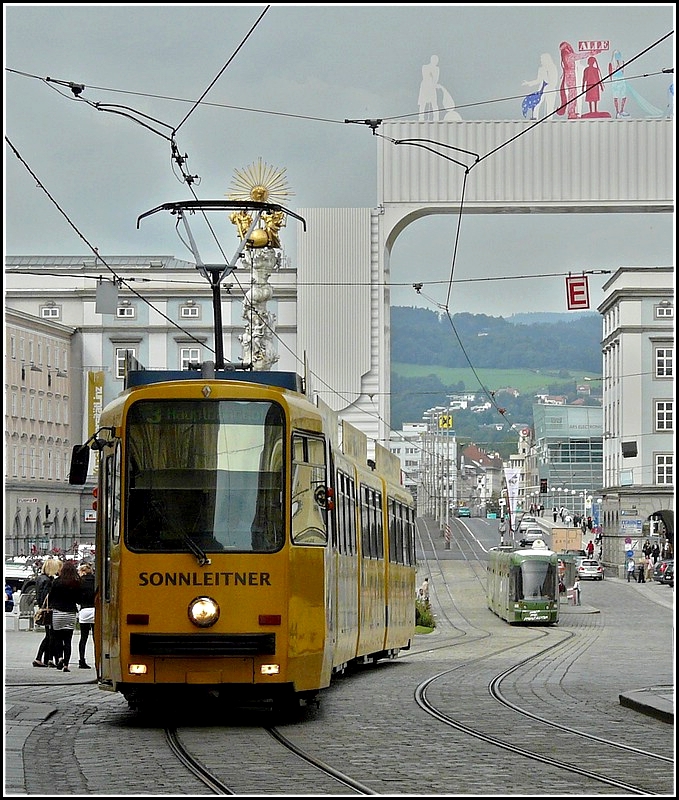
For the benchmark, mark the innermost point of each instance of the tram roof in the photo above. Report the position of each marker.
(283, 380)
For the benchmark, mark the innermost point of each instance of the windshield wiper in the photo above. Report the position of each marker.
(200, 554)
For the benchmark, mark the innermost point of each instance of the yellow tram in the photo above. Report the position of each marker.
(241, 551)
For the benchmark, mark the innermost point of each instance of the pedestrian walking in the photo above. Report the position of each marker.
(630, 569)
(590, 549)
(51, 567)
(640, 573)
(63, 599)
(86, 611)
(424, 590)
(555, 513)
(648, 568)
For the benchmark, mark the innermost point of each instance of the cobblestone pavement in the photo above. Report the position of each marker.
(22, 718)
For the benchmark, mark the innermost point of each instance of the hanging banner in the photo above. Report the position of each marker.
(95, 404)
(512, 476)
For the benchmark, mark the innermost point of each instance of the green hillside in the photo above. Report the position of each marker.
(525, 380)
(432, 360)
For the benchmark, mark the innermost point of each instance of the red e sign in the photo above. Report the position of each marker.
(577, 292)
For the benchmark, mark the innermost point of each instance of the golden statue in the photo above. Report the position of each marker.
(242, 220)
(262, 183)
(273, 222)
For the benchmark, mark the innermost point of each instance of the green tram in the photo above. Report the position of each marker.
(523, 584)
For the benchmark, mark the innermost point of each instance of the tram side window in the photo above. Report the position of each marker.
(309, 487)
(346, 514)
(371, 523)
(397, 554)
(411, 536)
(365, 522)
(515, 584)
(394, 555)
(378, 527)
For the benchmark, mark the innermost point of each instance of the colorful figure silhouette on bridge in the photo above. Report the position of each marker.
(592, 86)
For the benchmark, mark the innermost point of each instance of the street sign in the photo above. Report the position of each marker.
(630, 554)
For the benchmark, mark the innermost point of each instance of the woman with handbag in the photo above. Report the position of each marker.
(51, 567)
(64, 597)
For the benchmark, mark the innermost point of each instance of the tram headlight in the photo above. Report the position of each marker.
(203, 611)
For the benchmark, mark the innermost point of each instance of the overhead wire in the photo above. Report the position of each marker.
(477, 160)
(425, 144)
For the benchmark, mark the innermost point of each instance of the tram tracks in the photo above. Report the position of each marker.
(296, 770)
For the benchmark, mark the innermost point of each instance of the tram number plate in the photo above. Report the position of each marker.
(538, 615)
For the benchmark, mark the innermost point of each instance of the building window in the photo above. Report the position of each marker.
(189, 312)
(12, 347)
(50, 312)
(664, 311)
(663, 415)
(128, 312)
(121, 352)
(664, 465)
(187, 356)
(664, 362)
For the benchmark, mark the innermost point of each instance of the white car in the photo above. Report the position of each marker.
(529, 535)
(589, 569)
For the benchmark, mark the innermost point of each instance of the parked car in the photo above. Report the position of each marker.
(668, 575)
(590, 569)
(660, 567)
(463, 511)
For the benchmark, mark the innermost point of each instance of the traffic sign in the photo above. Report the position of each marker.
(630, 554)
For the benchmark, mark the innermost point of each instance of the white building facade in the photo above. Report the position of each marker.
(638, 411)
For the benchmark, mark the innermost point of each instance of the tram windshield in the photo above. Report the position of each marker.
(535, 580)
(204, 476)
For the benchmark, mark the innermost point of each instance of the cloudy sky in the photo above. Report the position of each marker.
(277, 83)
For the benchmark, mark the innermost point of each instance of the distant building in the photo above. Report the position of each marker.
(638, 409)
